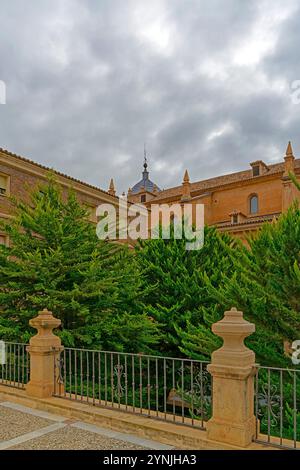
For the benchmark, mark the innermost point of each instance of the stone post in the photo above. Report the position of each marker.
(232, 368)
(44, 350)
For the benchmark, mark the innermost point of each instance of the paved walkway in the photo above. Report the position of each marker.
(23, 428)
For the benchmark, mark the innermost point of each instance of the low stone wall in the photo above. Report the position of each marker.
(182, 437)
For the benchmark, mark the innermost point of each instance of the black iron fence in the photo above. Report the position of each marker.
(177, 390)
(170, 389)
(277, 407)
(14, 364)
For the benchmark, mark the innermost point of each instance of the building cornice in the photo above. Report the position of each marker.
(30, 167)
(224, 186)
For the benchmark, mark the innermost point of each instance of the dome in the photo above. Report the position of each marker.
(145, 183)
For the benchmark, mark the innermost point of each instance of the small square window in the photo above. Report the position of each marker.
(256, 170)
(235, 219)
(3, 185)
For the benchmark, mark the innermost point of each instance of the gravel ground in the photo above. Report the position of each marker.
(75, 439)
(15, 423)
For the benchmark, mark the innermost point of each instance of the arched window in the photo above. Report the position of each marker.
(253, 204)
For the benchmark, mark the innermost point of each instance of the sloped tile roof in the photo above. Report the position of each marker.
(216, 182)
(250, 220)
(27, 160)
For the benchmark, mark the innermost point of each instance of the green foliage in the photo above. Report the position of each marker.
(55, 261)
(190, 290)
(159, 295)
(264, 284)
(176, 295)
(295, 180)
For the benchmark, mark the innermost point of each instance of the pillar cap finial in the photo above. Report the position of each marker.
(45, 311)
(233, 329)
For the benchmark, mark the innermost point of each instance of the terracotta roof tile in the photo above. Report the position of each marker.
(250, 220)
(27, 160)
(218, 181)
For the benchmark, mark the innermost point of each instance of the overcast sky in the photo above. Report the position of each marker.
(206, 83)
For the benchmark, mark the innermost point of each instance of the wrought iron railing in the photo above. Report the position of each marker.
(277, 407)
(14, 365)
(170, 389)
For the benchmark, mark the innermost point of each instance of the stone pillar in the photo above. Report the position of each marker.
(232, 368)
(44, 350)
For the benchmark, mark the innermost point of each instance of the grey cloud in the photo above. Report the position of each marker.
(89, 82)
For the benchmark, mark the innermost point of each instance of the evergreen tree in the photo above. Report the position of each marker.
(187, 291)
(175, 294)
(264, 284)
(295, 180)
(56, 261)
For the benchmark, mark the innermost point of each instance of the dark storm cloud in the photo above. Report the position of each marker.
(205, 83)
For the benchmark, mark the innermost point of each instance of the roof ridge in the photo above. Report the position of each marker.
(195, 185)
(27, 160)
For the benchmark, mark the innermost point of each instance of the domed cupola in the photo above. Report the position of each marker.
(145, 185)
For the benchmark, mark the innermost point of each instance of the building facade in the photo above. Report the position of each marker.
(18, 176)
(239, 202)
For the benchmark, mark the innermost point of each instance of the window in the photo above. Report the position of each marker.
(253, 204)
(255, 170)
(3, 185)
(234, 218)
(143, 198)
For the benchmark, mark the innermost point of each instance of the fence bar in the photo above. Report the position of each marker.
(93, 375)
(119, 381)
(277, 397)
(126, 384)
(148, 386)
(99, 377)
(14, 372)
(75, 372)
(182, 391)
(281, 405)
(141, 384)
(154, 386)
(112, 378)
(295, 409)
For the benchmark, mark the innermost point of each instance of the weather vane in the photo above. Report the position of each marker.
(145, 156)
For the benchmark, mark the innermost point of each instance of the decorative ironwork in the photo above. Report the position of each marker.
(172, 389)
(269, 404)
(277, 404)
(197, 396)
(59, 367)
(119, 373)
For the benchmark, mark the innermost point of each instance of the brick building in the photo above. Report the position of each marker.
(18, 175)
(239, 202)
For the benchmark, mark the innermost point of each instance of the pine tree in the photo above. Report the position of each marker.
(55, 261)
(264, 284)
(175, 294)
(188, 291)
(295, 180)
